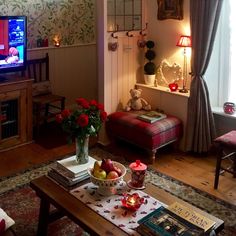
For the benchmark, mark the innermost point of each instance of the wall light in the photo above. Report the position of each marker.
(185, 42)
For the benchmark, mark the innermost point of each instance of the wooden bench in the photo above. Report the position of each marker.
(126, 126)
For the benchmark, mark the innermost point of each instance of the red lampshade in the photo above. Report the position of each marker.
(184, 41)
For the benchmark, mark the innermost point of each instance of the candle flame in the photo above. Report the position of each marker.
(132, 201)
(57, 40)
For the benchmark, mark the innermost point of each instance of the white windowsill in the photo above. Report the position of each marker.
(220, 111)
(164, 89)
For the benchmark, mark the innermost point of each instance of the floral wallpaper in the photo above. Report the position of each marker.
(72, 21)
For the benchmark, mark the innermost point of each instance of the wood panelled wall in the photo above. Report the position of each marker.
(73, 70)
(119, 70)
(124, 69)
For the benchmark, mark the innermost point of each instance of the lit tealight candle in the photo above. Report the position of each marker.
(173, 87)
(56, 40)
(132, 201)
(57, 44)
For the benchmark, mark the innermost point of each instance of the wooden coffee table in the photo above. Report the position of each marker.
(67, 205)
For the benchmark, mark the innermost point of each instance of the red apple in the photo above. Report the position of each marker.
(118, 170)
(107, 165)
(112, 175)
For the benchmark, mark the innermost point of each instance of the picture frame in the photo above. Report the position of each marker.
(170, 9)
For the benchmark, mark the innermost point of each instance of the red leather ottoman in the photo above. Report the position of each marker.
(126, 126)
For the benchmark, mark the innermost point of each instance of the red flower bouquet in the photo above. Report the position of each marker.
(84, 121)
(81, 123)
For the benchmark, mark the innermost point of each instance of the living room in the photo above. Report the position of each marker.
(83, 66)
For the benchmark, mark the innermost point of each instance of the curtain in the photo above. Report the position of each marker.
(204, 16)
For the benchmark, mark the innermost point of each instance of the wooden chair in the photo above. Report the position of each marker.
(45, 104)
(227, 151)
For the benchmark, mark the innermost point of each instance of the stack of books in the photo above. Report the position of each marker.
(68, 173)
(175, 220)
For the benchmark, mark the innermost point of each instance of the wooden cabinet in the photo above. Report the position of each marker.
(15, 112)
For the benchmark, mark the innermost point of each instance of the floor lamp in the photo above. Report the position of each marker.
(185, 42)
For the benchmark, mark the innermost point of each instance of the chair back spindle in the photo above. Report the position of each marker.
(46, 104)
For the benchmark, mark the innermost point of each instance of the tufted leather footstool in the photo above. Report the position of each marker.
(126, 126)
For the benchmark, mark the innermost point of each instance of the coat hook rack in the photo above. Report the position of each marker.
(113, 33)
(128, 33)
(142, 32)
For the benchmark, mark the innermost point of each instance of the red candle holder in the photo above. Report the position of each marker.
(173, 87)
(132, 201)
(138, 172)
(229, 108)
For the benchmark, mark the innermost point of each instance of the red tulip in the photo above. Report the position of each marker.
(82, 120)
(59, 118)
(100, 107)
(82, 102)
(93, 103)
(103, 116)
(66, 113)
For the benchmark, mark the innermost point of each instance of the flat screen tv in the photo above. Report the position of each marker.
(13, 43)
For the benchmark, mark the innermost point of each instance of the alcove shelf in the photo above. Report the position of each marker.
(163, 89)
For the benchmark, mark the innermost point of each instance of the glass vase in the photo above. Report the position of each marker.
(82, 144)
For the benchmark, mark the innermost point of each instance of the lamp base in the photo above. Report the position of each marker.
(183, 90)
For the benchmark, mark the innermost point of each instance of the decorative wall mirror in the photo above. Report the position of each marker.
(124, 15)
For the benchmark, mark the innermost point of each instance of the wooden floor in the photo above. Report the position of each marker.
(193, 170)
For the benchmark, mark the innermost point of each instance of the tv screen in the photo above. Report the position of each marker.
(13, 36)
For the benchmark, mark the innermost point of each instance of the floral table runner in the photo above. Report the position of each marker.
(110, 207)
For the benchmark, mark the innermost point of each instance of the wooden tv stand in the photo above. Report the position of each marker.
(15, 112)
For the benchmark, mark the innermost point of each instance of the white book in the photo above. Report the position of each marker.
(66, 182)
(73, 168)
(64, 173)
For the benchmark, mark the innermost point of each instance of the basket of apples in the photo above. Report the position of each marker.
(107, 174)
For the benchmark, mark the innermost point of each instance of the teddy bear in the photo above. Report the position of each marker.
(136, 102)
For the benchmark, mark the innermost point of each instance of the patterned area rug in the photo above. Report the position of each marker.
(21, 203)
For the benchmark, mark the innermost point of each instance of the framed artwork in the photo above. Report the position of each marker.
(170, 9)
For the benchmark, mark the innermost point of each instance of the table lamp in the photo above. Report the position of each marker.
(184, 41)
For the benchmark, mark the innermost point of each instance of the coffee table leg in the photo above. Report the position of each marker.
(43, 217)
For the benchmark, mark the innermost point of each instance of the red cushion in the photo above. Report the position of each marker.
(151, 136)
(228, 139)
(2, 226)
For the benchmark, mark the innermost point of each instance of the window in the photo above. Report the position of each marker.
(221, 73)
(124, 15)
